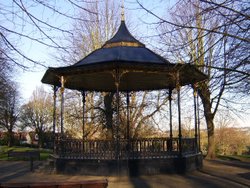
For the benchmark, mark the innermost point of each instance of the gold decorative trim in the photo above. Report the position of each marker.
(129, 44)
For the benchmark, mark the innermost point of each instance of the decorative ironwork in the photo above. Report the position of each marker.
(146, 148)
(195, 119)
(119, 44)
(170, 117)
(178, 87)
(122, 11)
(134, 68)
(55, 88)
(62, 102)
(83, 114)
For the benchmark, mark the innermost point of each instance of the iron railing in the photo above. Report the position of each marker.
(146, 148)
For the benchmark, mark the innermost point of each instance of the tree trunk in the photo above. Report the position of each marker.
(210, 133)
(40, 138)
(209, 116)
(108, 98)
(10, 137)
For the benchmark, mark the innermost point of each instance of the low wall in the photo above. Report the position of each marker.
(129, 167)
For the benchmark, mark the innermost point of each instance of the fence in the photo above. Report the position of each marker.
(146, 148)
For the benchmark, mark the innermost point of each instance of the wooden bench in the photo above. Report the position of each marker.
(31, 155)
(79, 184)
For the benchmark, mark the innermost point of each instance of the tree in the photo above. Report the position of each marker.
(37, 114)
(89, 36)
(145, 107)
(9, 97)
(214, 36)
(101, 108)
(230, 139)
(92, 33)
(38, 23)
(9, 110)
(5, 72)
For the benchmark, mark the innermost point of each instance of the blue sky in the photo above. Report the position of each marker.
(29, 80)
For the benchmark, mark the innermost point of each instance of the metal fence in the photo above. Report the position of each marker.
(145, 148)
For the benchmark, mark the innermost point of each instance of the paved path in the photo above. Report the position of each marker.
(214, 174)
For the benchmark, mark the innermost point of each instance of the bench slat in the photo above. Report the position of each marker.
(81, 184)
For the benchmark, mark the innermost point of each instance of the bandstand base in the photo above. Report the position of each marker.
(133, 167)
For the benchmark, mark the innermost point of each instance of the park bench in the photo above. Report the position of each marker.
(31, 155)
(77, 184)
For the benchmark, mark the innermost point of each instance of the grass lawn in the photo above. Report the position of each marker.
(44, 153)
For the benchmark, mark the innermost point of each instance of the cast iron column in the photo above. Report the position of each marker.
(195, 120)
(83, 120)
(54, 117)
(170, 120)
(117, 137)
(128, 131)
(178, 87)
(62, 103)
(117, 83)
(83, 114)
(198, 118)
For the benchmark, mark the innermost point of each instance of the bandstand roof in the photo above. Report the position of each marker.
(139, 68)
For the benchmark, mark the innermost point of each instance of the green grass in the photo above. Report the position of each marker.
(243, 158)
(44, 153)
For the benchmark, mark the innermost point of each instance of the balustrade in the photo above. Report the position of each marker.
(146, 148)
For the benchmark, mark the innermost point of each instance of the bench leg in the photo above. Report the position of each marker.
(31, 164)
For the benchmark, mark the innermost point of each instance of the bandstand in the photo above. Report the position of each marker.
(124, 64)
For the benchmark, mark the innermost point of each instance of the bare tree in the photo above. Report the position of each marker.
(9, 111)
(145, 107)
(37, 113)
(101, 108)
(37, 22)
(89, 36)
(230, 139)
(214, 36)
(5, 71)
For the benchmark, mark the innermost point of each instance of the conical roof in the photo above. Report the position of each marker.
(123, 35)
(139, 68)
(122, 47)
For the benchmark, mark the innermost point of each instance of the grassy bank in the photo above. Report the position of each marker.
(243, 158)
(44, 153)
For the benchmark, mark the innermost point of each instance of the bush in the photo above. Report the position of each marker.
(3, 142)
(247, 152)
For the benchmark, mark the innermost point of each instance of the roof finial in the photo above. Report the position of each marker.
(122, 13)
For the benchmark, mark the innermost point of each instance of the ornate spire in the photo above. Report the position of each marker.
(122, 11)
(123, 37)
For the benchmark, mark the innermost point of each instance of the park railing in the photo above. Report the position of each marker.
(145, 148)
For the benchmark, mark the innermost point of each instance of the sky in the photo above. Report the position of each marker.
(29, 80)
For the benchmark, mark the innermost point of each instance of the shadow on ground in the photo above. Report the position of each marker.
(215, 173)
(12, 170)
